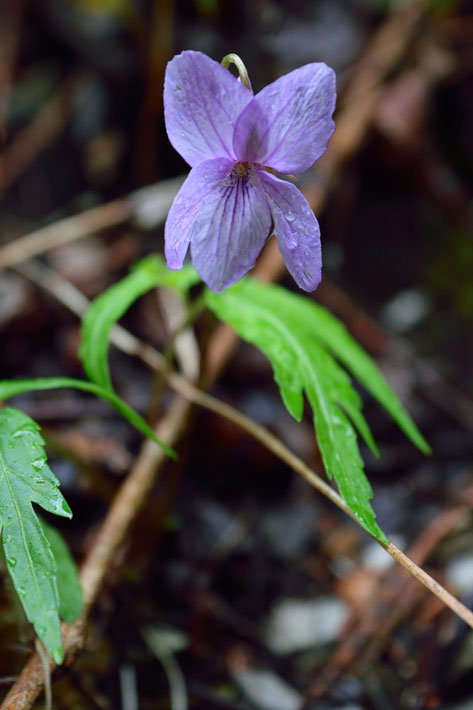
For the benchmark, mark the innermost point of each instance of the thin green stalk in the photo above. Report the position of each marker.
(194, 309)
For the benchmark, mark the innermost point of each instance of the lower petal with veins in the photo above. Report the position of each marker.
(230, 230)
(200, 184)
(296, 229)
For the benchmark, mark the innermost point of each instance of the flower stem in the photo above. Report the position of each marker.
(242, 71)
(161, 374)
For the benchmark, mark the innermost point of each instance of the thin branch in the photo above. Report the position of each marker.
(44, 658)
(392, 599)
(65, 231)
(273, 444)
(148, 207)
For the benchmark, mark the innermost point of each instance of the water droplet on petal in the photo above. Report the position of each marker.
(290, 217)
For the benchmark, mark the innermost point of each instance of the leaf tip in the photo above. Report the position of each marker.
(418, 440)
(425, 447)
(374, 448)
(58, 655)
(381, 537)
(172, 453)
(66, 511)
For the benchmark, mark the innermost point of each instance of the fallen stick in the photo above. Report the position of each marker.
(394, 599)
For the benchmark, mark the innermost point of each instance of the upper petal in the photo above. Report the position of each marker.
(252, 133)
(202, 101)
(296, 230)
(200, 183)
(230, 230)
(288, 124)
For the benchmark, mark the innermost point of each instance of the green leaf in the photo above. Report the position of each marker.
(329, 332)
(67, 577)
(111, 305)
(25, 478)
(10, 388)
(300, 338)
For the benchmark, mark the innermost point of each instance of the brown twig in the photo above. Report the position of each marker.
(148, 206)
(64, 232)
(132, 496)
(394, 597)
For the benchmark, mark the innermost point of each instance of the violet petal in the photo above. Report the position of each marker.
(288, 124)
(296, 230)
(230, 230)
(200, 183)
(202, 101)
(252, 133)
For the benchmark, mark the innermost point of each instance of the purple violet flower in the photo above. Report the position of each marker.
(232, 201)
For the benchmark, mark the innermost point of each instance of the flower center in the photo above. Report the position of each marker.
(241, 169)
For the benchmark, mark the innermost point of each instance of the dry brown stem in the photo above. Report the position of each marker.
(65, 231)
(395, 597)
(149, 206)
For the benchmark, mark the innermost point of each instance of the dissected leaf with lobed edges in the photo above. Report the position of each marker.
(48, 590)
(300, 337)
(333, 335)
(25, 478)
(113, 303)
